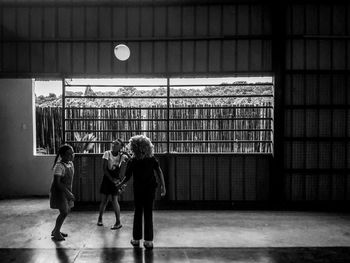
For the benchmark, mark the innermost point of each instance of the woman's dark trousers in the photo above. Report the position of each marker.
(143, 206)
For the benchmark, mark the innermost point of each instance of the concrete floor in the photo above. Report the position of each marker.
(180, 236)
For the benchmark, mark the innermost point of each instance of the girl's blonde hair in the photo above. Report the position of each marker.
(141, 146)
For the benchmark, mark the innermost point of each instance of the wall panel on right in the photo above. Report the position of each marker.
(317, 103)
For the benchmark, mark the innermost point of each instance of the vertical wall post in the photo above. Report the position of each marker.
(63, 111)
(278, 13)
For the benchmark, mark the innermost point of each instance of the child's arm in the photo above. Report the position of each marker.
(122, 167)
(128, 174)
(124, 158)
(161, 178)
(106, 172)
(62, 187)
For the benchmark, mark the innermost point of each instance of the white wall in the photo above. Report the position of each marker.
(21, 173)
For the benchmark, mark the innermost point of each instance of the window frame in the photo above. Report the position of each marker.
(168, 142)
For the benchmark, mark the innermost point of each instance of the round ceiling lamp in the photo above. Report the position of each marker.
(122, 52)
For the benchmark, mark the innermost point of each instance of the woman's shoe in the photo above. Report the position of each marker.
(148, 244)
(135, 243)
(99, 222)
(62, 234)
(115, 227)
(58, 237)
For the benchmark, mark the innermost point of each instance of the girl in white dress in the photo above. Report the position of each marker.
(114, 161)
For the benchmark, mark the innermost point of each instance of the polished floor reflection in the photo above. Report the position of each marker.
(180, 236)
(183, 255)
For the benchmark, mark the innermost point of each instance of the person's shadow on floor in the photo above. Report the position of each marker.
(61, 253)
(112, 255)
(148, 255)
(142, 256)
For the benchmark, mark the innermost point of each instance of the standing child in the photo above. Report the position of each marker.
(143, 167)
(113, 161)
(61, 196)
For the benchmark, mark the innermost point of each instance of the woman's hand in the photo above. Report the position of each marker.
(162, 191)
(117, 183)
(71, 197)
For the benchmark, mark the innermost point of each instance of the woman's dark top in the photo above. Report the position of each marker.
(142, 171)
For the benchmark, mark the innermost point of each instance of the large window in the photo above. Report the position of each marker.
(180, 115)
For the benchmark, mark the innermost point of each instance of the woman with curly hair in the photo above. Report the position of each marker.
(142, 167)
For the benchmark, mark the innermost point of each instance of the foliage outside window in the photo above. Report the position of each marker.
(179, 115)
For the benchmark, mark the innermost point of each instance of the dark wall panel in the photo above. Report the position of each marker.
(237, 179)
(9, 53)
(91, 58)
(224, 178)
(193, 39)
(183, 178)
(189, 178)
(78, 57)
(317, 103)
(105, 22)
(263, 178)
(170, 179)
(36, 55)
(229, 55)
(119, 22)
(173, 25)
(173, 54)
(160, 24)
(146, 58)
(64, 57)
(22, 19)
(196, 178)
(214, 20)
(24, 55)
(91, 22)
(214, 61)
(255, 57)
(311, 181)
(210, 173)
(160, 57)
(250, 176)
(9, 22)
(201, 56)
(243, 55)
(133, 21)
(50, 25)
(230, 20)
(64, 22)
(98, 176)
(104, 58)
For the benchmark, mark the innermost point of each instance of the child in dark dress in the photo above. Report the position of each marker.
(114, 161)
(143, 166)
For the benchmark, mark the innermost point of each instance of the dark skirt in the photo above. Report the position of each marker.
(108, 187)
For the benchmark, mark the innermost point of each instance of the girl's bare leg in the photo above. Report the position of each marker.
(59, 222)
(116, 208)
(103, 205)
